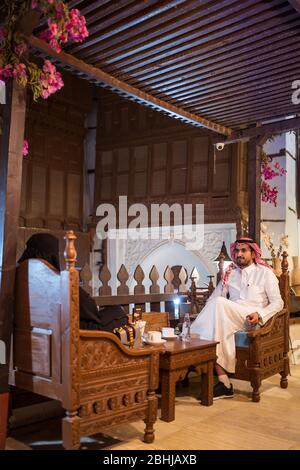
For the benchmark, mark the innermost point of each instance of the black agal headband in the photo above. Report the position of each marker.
(243, 240)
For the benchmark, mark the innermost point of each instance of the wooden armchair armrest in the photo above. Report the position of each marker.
(267, 328)
(98, 335)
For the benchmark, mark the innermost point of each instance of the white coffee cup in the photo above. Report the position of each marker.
(167, 332)
(154, 336)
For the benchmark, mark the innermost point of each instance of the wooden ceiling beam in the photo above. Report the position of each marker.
(268, 129)
(250, 121)
(105, 80)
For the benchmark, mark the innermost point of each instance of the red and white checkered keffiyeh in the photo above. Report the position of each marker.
(251, 243)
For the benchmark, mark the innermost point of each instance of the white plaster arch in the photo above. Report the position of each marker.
(166, 253)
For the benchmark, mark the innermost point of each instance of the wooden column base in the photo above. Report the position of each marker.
(3, 418)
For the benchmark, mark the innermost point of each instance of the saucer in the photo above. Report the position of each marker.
(170, 337)
(162, 341)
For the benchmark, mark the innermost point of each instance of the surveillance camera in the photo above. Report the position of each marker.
(220, 145)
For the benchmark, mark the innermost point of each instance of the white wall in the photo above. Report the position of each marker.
(282, 219)
(163, 253)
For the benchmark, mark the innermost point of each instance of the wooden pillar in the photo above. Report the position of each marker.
(10, 193)
(254, 189)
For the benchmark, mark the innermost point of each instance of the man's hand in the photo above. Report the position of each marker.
(252, 318)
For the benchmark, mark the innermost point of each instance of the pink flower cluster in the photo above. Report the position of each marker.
(269, 194)
(50, 79)
(63, 26)
(268, 172)
(18, 72)
(25, 148)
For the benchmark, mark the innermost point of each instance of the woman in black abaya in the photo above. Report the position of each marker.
(46, 246)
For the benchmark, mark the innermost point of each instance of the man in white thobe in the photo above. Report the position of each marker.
(247, 295)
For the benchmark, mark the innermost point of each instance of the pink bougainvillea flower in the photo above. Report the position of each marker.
(269, 171)
(50, 79)
(6, 72)
(63, 25)
(20, 48)
(25, 148)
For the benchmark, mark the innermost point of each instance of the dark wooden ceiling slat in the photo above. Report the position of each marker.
(154, 28)
(251, 38)
(127, 18)
(230, 68)
(167, 37)
(285, 79)
(217, 51)
(237, 103)
(291, 64)
(266, 102)
(264, 115)
(223, 29)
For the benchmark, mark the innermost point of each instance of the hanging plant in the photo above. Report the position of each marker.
(63, 25)
(269, 170)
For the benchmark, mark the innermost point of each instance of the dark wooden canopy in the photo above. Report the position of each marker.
(229, 62)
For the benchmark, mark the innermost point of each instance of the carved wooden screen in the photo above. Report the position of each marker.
(52, 181)
(155, 159)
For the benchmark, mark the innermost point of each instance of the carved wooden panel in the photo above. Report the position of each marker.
(165, 161)
(32, 352)
(74, 197)
(178, 181)
(123, 159)
(199, 178)
(159, 182)
(159, 155)
(140, 184)
(56, 192)
(122, 184)
(52, 188)
(222, 173)
(38, 190)
(106, 187)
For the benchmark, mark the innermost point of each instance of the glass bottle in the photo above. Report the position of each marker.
(186, 328)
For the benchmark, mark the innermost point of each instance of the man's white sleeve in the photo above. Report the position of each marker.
(273, 293)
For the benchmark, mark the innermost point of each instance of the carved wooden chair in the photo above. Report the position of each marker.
(99, 381)
(155, 320)
(263, 352)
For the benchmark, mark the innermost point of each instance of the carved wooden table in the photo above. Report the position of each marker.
(175, 359)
